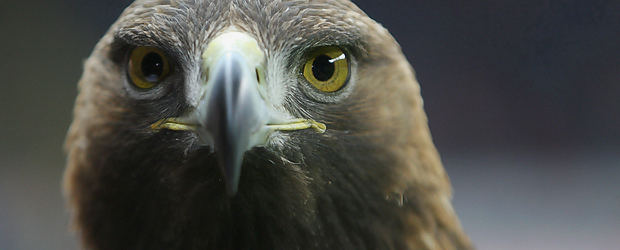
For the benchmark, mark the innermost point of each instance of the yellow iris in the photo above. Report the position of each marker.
(148, 66)
(327, 69)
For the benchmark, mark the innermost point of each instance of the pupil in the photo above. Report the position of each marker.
(322, 68)
(152, 67)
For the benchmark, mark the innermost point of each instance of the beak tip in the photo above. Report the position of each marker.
(231, 190)
(232, 183)
(231, 173)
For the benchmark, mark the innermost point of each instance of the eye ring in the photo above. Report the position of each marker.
(147, 67)
(327, 69)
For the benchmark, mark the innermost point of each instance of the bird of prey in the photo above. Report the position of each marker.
(254, 124)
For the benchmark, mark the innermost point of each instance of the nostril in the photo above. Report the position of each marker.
(257, 76)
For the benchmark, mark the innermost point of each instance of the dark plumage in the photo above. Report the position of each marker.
(150, 168)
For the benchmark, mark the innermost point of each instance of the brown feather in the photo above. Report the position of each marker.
(373, 180)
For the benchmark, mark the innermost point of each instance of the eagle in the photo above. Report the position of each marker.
(254, 124)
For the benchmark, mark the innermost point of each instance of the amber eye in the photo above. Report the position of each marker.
(327, 69)
(148, 66)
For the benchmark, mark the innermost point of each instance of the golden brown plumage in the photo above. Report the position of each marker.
(155, 167)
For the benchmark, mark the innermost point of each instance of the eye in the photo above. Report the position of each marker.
(327, 69)
(147, 67)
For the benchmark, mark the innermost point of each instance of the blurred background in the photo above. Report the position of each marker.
(523, 99)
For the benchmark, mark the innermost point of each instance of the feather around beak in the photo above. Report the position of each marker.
(232, 116)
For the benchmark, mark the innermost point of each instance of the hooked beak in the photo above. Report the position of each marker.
(232, 116)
